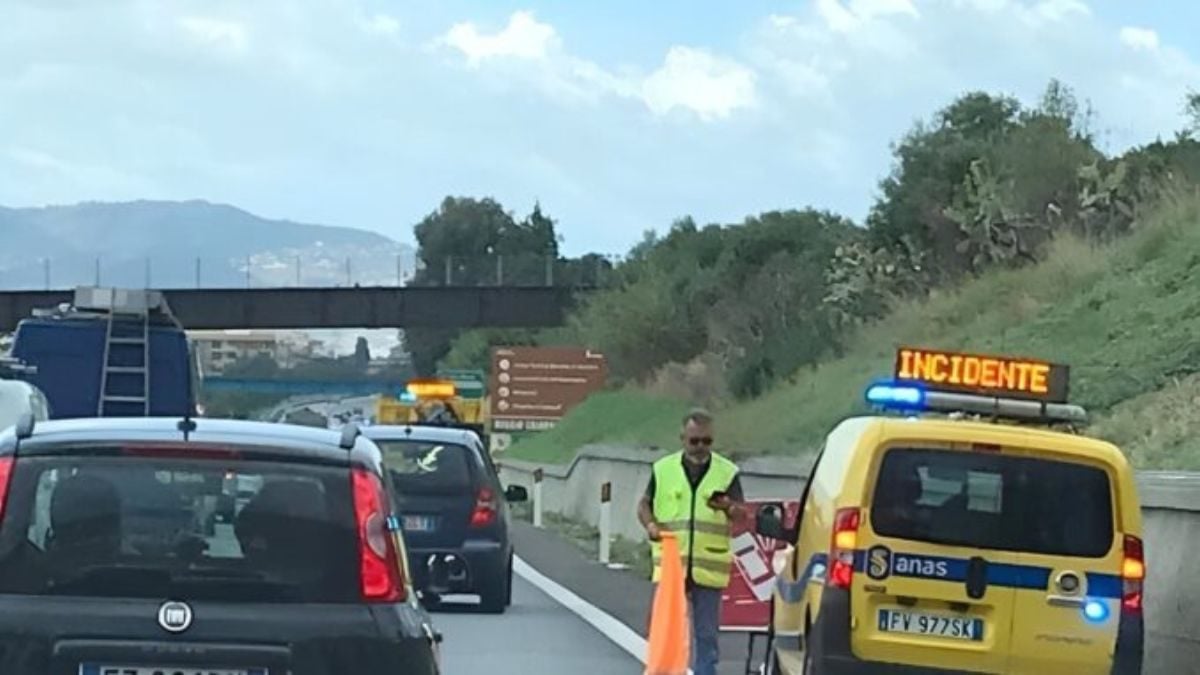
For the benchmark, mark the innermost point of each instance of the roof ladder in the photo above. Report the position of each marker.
(125, 378)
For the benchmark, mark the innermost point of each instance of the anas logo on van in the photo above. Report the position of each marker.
(879, 562)
(908, 565)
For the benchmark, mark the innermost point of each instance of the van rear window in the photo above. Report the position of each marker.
(158, 527)
(993, 501)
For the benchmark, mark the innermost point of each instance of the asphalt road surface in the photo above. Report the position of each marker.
(537, 636)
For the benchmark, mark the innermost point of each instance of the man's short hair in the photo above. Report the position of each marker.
(698, 416)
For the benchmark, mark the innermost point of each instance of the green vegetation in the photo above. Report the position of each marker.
(1124, 315)
(1001, 227)
(640, 417)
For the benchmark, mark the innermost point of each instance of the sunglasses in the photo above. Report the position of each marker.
(706, 440)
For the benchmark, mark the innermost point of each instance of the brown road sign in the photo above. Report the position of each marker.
(534, 387)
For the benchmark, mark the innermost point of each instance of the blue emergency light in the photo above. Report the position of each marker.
(887, 395)
(1095, 611)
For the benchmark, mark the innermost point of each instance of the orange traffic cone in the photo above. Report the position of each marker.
(670, 632)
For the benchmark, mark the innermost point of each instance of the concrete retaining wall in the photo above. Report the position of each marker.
(1170, 501)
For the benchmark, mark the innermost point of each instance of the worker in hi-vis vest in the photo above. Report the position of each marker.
(694, 494)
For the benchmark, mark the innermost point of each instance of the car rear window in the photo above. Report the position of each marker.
(170, 527)
(425, 468)
(993, 501)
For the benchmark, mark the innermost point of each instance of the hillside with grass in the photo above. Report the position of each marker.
(1124, 315)
(1003, 226)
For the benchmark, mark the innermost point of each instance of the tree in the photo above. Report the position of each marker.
(1192, 110)
(475, 242)
(362, 353)
(931, 163)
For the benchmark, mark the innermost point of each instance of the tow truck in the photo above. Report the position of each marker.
(452, 398)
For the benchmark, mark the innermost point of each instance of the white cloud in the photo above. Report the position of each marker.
(694, 79)
(334, 113)
(1139, 38)
(843, 19)
(689, 78)
(382, 24)
(523, 38)
(230, 36)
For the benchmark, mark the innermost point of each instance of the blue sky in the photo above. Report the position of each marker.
(618, 116)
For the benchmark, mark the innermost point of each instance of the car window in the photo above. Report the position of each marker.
(149, 527)
(993, 501)
(419, 467)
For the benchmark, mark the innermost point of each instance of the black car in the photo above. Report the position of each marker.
(112, 563)
(454, 511)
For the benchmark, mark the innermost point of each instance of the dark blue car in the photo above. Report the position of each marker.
(454, 511)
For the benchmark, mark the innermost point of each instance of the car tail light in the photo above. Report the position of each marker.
(486, 506)
(379, 564)
(843, 546)
(6, 467)
(1133, 574)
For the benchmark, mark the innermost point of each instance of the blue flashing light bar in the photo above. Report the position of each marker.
(1095, 611)
(914, 398)
(888, 395)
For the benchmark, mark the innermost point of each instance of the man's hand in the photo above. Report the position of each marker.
(720, 502)
(653, 531)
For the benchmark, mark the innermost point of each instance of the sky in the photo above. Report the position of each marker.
(617, 117)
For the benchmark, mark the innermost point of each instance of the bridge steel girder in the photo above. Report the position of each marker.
(364, 307)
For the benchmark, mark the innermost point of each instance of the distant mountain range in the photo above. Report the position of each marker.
(120, 238)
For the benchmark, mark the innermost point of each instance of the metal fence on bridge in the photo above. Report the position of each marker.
(270, 271)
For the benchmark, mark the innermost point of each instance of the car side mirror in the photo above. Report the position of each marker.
(768, 522)
(516, 493)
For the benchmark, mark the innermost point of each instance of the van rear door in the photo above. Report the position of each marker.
(1068, 615)
(937, 587)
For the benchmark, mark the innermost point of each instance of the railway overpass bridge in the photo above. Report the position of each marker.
(341, 307)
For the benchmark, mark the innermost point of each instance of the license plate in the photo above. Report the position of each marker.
(97, 669)
(919, 623)
(418, 523)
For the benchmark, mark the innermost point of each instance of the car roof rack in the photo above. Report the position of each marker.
(910, 399)
(350, 434)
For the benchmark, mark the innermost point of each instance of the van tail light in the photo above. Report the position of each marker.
(486, 508)
(380, 571)
(1133, 574)
(6, 467)
(843, 546)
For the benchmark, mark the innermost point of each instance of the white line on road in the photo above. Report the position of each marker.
(621, 635)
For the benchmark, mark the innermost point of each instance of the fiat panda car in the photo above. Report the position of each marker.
(111, 564)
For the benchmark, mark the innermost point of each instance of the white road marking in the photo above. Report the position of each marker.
(620, 634)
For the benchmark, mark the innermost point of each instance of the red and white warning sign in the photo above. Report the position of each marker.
(746, 602)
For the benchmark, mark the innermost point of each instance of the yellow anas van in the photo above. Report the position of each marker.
(975, 532)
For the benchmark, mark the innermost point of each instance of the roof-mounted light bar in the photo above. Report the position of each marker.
(910, 398)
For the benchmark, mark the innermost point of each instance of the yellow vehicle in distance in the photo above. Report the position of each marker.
(453, 398)
(968, 527)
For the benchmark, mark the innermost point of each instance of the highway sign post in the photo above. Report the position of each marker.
(532, 388)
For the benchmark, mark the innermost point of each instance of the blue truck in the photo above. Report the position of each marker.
(111, 353)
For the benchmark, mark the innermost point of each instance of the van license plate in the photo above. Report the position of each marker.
(94, 669)
(919, 623)
(418, 523)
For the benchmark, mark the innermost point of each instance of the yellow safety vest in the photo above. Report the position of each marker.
(702, 532)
